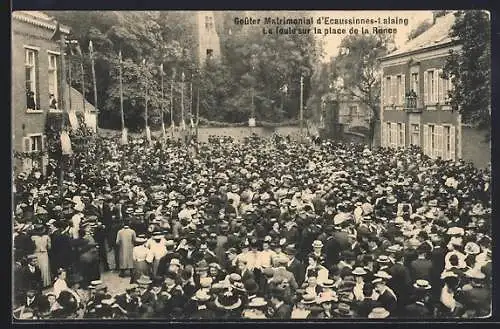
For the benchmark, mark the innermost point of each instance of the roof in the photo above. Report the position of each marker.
(76, 101)
(39, 19)
(436, 35)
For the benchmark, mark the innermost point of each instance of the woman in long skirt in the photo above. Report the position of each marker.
(42, 246)
(140, 252)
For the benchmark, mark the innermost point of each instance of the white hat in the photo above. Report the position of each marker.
(317, 244)
(175, 261)
(383, 275)
(422, 284)
(378, 313)
(455, 231)
(472, 248)
(475, 273)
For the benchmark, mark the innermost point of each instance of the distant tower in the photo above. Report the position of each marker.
(208, 39)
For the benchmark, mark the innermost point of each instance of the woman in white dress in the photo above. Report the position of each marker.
(42, 247)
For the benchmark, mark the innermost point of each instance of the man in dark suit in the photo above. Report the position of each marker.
(32, 275)
(61, 244)
(128, 301)
(23, 244)
(401, 280)
(295, 266)
(421, 268)
(280, 309)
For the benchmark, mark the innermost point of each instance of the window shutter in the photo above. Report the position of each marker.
(394, 134)
(26, 149)
(426, 140)
(403, 126)
(439, 141)
(426, 83)
(440, 87)
(45, 157)
(37, 82)
(394, 90)
(403, 89)
(452, 143)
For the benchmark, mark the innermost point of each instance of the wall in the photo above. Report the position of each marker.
(475, 148)
(238, 133)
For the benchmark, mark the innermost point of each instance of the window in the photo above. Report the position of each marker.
(353, 112)
(432, 138)
(31, 79)
(31, 144)
(430, 88)
(388, 134)
(415, 134)
(394, 134)
(449, 142)
(210, 53)
(53, 80)
(209, 23)
(443, 89)
(414, 82)
(387, 90)
(401, 135)
(398, 89)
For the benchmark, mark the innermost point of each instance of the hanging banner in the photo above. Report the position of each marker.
(73, 120)
(66, 143)
(148, 134)
(251, 122)
(90, 121)
(124, 136)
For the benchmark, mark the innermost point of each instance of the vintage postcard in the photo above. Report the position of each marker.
(251, 165)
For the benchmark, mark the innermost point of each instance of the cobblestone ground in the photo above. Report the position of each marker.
(116, 285)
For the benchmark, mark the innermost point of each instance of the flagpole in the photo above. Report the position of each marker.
(182, 102)
(122, 116)
(162, 103)
(62, 44)
(91, 48)
(70, 83)
(172, 124)
(83, 85)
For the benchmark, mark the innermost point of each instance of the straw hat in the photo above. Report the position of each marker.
(378, 313)
(308, 299)
(359, 271)
(257, 302)
(472, 248)
(317, 244)
(144, 280)
(228, 301)
(201, 295)
(422, 285)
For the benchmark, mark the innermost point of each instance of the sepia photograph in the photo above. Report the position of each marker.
(251, 165)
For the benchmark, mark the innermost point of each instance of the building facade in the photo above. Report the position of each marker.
(207, 38)
(415, 108)
(35, 82)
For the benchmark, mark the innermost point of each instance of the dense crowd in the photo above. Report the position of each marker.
(262, 229)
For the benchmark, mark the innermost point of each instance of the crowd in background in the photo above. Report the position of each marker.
(260, 229)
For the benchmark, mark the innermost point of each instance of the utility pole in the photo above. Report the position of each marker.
(91, 48)
(172, 124)
(183, 123)
(301, 117)
(122, 115)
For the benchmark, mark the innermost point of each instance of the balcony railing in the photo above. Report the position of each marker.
(413, 103)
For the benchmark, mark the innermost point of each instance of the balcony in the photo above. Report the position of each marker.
(413, 103)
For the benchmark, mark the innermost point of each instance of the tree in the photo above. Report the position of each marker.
(359, 69)
(470, 68)
(421, 28)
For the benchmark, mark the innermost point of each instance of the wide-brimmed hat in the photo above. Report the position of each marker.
(383, 275)
(257, 302)
(144, 280)
(422, 285)
(378, 313)
(383, 259)
(327, 283)
(359, 271)
(201, 296)
(391, 199)
(308, 299)
(475, 273)
(455, 231)
(343, 309)
(472, 248)
(317, 244)
(228, 301)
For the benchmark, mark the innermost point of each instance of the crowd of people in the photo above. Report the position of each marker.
(259, 229)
